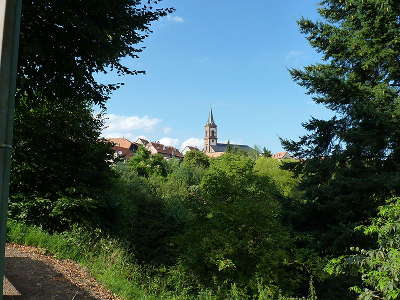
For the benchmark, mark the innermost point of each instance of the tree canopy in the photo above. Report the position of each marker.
(63, 45)
(196, 158)
(350, 162)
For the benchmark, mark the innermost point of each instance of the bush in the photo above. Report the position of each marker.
(235, 237)
(145, 164)
(284, 179)
(59, 214)
(196, 159)
(143, 219)
(379, 267)
(193, 232)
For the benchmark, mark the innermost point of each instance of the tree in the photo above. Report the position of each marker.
(229, 147)
(236, 236)
(266, 152)
(350, 163)
(196, 159)
(62, 151)
(60, 167)
(284, 179)
(145, 164)
(63, 45)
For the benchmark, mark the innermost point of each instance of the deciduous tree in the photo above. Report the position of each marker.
(63, 45)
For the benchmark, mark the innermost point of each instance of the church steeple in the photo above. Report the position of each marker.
(210, 138)
(210, 118)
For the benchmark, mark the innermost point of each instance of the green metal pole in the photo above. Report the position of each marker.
(10, 18)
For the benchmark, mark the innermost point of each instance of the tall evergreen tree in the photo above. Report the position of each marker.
(350, 162)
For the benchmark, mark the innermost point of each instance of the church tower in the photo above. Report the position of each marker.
(210, 138)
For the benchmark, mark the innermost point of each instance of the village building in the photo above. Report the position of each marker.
(211, 146)
(167, 152)
(123, 148)
(281, 155)
(188, 149)
(142, 142)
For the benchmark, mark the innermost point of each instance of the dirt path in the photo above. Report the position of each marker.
(40, 277)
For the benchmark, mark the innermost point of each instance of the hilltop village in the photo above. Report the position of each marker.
(124, 148)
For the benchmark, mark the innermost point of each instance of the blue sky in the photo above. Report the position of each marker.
(228, 55)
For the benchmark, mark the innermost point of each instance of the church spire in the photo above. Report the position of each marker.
(210, 138)
(211, 118)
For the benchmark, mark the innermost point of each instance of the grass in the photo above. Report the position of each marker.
(109, 264)
(104, 258)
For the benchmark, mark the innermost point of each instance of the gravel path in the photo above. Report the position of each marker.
(40, 277)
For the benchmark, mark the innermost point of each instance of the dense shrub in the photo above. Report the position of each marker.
(143, 219)
(196, 159)
(60, 214)
(145, 164)
(235, 236)
(378, 267)
(108, 261)
(195, 230)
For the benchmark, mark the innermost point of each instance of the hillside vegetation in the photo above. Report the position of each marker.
(193, 228)
(241, 226)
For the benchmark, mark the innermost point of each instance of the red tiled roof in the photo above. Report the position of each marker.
(280, 155)
(122, 152)
(121, 142)
(165, 150)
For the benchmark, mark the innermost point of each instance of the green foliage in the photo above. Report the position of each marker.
(105, 258)
(142, 219)
(265, 152)
(379, 267)
(188, 220)
(66, 73)
(235, 235)
(284, 179)
(57, 143)
(58, 214)
(146, 164)
(196, 159)
(61, 151)
(108, 261)
(350, 163)
(193, 233)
